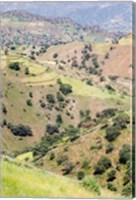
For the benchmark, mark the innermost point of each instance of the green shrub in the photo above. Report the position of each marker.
(102, 165)
(21, 130)
(111, 175)
(55, 55)
(95, 62)
(60, 98)
(122, 120)
(99, 169)
(107, 56)
(89, 82)
(59, 119)
(107, 113)
(26, 71)
(67, 168)
(110, 88)
(66, 89)
(72, 132)
(51, 129)
(50, 98)
(61, 159)
(74, 63)
(112, 133)
(111, 187)
(42, 104)
(125, 154)
(91, 184)
(52, 155)
(127, 190)
(109, 148)
(31, 94)
(93, 70)
(4, 109)
(80, 175)
(14, 66)
(29, 102)
(102, 78)
(85, 164)
(113, 78)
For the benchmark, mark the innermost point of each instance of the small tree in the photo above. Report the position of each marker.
(51, 129)
(65, 89)
(26, 71)
(50, 98)
(102, 165)
(4, 109)
(31, 94)
(60, 98)
(14, 66)
(125, 154)
(29, 102)
(59, 119)
(112, 133)
(80, 175)
(111, 175)
(55, 55)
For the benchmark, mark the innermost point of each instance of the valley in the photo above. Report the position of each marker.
(66, 108)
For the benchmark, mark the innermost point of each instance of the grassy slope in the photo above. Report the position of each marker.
(39, 184)
(42, 184)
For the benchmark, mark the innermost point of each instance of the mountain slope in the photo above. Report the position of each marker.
(114, 16)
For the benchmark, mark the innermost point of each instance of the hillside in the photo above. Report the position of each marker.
(66, 114)
(115, 16)
(39, 184)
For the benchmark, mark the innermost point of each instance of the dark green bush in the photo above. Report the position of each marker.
(4, 109)
(111, 175)
(42, 104)
(74, 63)
(80, 175)
(21, 130)
(61, 159)
(109, 148)
(107, 113)
(111, 187)
(112, 133)
(102, 78)
(107, 56)
(55, 55)
(89, 82)
(95, 62)
(59, 119)
(127, 190)
(31, 94)
(50, 98)
(60, 98)
(52, 155)
(51, 129)
(66, 89)
(67, 168)
(29, 102)
(14, 66)
(110, 88)
(125, 154)
(122, 120)
(102, 165)
(26, 71)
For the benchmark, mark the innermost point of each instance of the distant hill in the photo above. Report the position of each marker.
(23, 27)
(114, 16)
